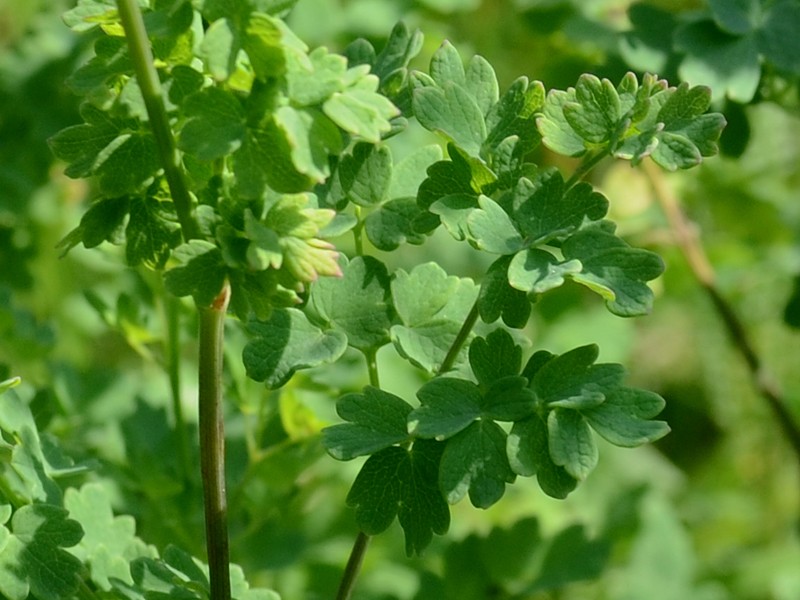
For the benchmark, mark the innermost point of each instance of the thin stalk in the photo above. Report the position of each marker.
(358, 233)
(703, 271)
(586, 165)
(172, 310)
(212, 443)
(353, 567)
(147, 77)
(359, 551)
(460, 340)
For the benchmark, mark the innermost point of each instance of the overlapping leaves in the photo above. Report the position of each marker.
(632, 121)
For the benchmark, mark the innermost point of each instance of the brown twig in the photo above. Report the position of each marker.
(689, 243)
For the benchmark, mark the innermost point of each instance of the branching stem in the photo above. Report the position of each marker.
(147, 77)
(589, 162)
(212, 443)
(703, 271)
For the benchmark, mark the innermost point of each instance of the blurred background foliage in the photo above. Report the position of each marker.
(711, 512)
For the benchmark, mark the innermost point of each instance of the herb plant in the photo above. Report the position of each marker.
(258, 178)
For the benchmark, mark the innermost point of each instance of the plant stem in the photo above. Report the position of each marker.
(460, 340)
(147, 77)
(212, 443)
(358, 230)
(703, 271)
(353, 566)
(586, 165)
(172, 309)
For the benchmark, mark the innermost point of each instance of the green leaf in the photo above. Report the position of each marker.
(571, 556)
(265, 159)
(201, 273)
(34, 560)
(288, 342)
(492, 229)
(509, 399)
(728, 64)
(409, 173)
(26, 473)
(515, 115)
(215, 124)
(614, 270)
(481, 83)
(454, 211)
(376, 420)
(557, 134)
(402, 483)
(361, 110)
(572, 380)
(497, 297)
(595, 113)
(571, 443)
(623, 419)
(392, 224)
(494, 357)
(151, 233)
(356, 304)
(475, 461)
(432, 307)
(538, 271)
(363, 175)
(529, 454)
(448, 405)
(736, 17)
(545, 210)
(312, 81)
(109, 542)
(776, 39)
(452, 112)
(123, 157)
(311, 137)
(104, 221)
(446, 66)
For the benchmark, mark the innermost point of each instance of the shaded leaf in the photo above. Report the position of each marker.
(286, 342)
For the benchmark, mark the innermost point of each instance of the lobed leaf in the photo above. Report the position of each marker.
(287, 342)
(401, 483)
(498, 298)
(529, 454)
(448, 405)
(201, 272)
(494, 357)
(624, 418)
(475, 461)
(376, 420)
(356, 304)
(570, 442)
(614, 270)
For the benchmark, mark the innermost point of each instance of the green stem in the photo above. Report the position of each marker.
(460, 340)
(358, 233)
(587, 164)
(353, 566)
(172, 308)
(147, 77)
(212, 443)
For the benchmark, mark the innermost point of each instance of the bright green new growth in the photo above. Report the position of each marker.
(283, 149)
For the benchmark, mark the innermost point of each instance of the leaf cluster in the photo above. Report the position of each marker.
(457, 438)
(55, 541)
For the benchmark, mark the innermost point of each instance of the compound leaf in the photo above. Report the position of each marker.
(286, 342)
(376, 420)
(498, 298)
(215, 124)
(396, 482)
